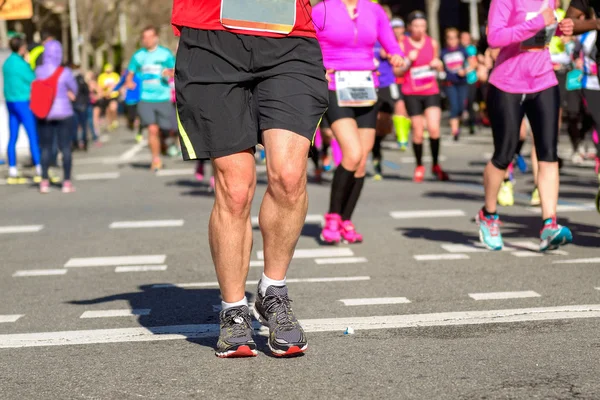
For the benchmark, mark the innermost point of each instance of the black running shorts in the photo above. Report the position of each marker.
(366, 117)
(388, 96)
(416, 105)
(232, 87)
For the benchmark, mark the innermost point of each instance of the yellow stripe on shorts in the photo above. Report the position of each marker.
(184, 136)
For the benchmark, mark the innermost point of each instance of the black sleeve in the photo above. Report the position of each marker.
(581, 5)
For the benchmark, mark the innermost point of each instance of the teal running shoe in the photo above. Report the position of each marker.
(554, 235)
(489, 231)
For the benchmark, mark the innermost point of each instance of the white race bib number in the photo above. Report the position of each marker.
(422, 77)
(355, 88)
(277, 16)
(542, 39)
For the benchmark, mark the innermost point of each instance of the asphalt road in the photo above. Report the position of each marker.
(434, 315)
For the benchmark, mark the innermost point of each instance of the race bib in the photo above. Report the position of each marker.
(422, 77)
(542, 39)
(277, 16)
(454, 61)
(355, 88)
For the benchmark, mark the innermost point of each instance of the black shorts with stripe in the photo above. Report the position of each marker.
(230, 88)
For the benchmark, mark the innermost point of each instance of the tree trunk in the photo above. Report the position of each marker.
(433, 8)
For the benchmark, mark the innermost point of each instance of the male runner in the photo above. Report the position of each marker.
(155, 64)
(251, 72)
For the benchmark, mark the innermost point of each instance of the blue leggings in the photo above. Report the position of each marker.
(457, 96)
(19, 114)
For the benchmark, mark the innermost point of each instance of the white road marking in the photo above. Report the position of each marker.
(9, 318)
(342, 260)
(129, 154)
(504, 295)
(141, 268)
(535, 247)
(146, 224)
(21, 228)
(40, 272)
(302, 280)
(115, 313)
(462, 248)
(115, 261)
(181, 332)
(375, 301)
(175, 172)
(439, 257)
(427, 214)
(567, 208)
(310, 219)
(98, 176)
(579, 261)
(258, 264)
(316, 253)
(526, 253)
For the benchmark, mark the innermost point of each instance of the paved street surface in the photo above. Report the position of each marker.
(110, 293)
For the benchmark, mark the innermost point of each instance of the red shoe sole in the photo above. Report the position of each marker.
(291, 352)
(241, 352)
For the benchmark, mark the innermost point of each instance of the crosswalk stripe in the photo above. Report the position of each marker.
(310, 219)
(181, 332)
(147, 224)
(115, 313)
(115, 261)
(375, 301)
(259, 263)
(534, 247)
(21, 228)
(504, 295)
(39, 272)
(342, 260)
(140, 268)
(175, 172)
(316, 253)
(301, 280)
(97, 176)
(427, 214)
(9, 318)
(567, 208)
(440, 257)
(579, 261)
(462, 248)
(526, 253)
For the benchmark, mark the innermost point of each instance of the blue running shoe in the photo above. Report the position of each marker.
(2, 162)
(521, 164)
(489, 231)
(554, 235)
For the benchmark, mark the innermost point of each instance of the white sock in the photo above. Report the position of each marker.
(242, 302)
(265, 282)
(38, 170)
(13, 172)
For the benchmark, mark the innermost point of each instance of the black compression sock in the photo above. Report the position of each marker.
(343, 181)
(487, 213)
(435, 150)
(418, 150)
(353, 197)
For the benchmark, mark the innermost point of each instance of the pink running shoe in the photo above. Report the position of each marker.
(349, 234)
(212, 183)
(200, 171)
(67, 187)
(45, 186)
(331, 231)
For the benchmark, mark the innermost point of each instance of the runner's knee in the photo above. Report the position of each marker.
(235, 195)
(288, 183)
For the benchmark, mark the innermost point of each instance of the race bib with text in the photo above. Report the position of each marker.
(422, 77)
(277, 16)
(355, 88)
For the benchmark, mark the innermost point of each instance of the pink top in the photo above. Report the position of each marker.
(518, 29)
(420, 79)
(347, 43)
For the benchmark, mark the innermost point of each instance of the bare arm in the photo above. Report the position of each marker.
(581, 25)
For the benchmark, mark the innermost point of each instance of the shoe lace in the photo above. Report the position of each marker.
(237, 321)
(281, 307)
(493, 225)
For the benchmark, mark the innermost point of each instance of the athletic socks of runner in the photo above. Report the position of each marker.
(377, 148)
(226, 306)
(486, 213)
(265, 282)
(342, 185)
(352, 200)
(418, 150)
(435, 150)
(314, 155)
(402, 128)
(13, 172)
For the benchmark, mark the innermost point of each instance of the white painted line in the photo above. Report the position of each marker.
(504, 295)
(579, 261)
(342, 260)
(175, 172)
(427, 214)
(21, 229)
(141, 268)
(310, 219)
(115, 313)
(375, 301)
(440, 257)
(129, 154)
(567, 208)
(526, 253)
(98, 176)
(115, 261)
(535, 247)
(462, 248)
(258, 264)
(146, 224)
(316, 253)
(182, 332)
(302, 280)
(40, 272)
(9, 318)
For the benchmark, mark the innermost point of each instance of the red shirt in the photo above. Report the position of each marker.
(205, 15)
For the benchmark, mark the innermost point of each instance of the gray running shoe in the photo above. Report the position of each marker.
(235, 339)
(286, 336)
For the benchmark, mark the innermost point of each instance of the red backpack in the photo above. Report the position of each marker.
(43, 92)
